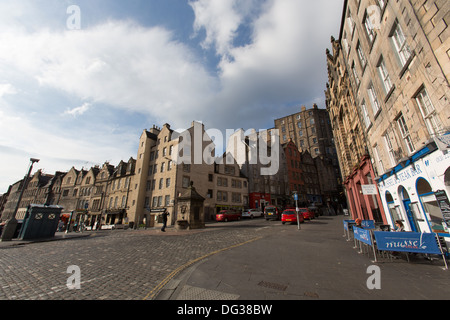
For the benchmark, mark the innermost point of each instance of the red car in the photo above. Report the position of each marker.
(289, 215)
(228, 215)
(307, 214)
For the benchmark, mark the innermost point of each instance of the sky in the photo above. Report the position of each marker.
(80, 80)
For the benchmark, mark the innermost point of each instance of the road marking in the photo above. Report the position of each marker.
(155, 290)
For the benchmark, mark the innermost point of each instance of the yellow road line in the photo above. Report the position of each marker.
(152, 293)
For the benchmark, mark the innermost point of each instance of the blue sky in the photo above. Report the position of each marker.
(82, 97)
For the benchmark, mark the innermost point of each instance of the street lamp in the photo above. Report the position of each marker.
(11, 224)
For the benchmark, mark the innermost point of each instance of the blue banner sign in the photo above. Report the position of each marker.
(407, 242)
(362, 235)
(368, 224)
(346, 222)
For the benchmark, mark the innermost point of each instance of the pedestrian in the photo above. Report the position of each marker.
(399, 226)
(61, 226)
(358, 222)
(164, 218)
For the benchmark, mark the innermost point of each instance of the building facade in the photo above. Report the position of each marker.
(350, 138)
(169, 162)
(294, 171)
(396, 55)
(311, 131)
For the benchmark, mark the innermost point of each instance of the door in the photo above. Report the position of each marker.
(410, 215)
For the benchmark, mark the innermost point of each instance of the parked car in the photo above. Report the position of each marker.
(290, 215)
(307, 214)
(252, 213)
(228, 215)
(272, 213)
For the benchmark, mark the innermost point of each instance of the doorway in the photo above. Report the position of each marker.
(409, 213)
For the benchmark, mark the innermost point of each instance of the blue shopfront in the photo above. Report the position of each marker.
(417, 191)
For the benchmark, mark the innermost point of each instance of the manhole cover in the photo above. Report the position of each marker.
(271, 285)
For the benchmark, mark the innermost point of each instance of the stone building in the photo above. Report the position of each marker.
(350, 138)
(310, 130)
(231, 186)
(396, 55)
(167, 163)
(263, 161)
(118, 193)
(294, 171)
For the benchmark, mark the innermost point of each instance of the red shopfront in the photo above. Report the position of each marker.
(259, 200)
(364, 205)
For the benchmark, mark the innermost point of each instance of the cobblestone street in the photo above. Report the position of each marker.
(244, 260)
(114, 264)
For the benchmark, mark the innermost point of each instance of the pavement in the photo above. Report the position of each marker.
(313, 263)
(58, 236)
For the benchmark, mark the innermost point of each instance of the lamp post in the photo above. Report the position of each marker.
(11, 224)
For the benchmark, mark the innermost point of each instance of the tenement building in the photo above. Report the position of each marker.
(350, 139)
(396, 57)
(168, 162)
(310, 130)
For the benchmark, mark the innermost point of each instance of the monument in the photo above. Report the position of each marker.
(190, 214)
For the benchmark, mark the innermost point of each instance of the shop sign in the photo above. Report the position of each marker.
(369, 189)
(407, 242)
(402, 176)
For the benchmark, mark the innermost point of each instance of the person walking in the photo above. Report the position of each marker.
(165, 214)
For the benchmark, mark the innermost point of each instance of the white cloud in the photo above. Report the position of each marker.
(128, 68)
(221, 20)
(78, 111)
(116, 63)
(7, 88)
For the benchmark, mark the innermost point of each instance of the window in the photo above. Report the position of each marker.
(378, 160)
(402, 48)
(167, 201)
(389, 148)
(365, 115)
(361, 56)
(405, 133)
(373, 99)
(186, 181)
(369, 28)
(350, 22)
(384, 75)
(355, 74)
(428, 112)
(167, 182)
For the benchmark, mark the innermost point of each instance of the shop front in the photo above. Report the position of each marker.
(259, 200)
(363, 197)
(417, 191)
